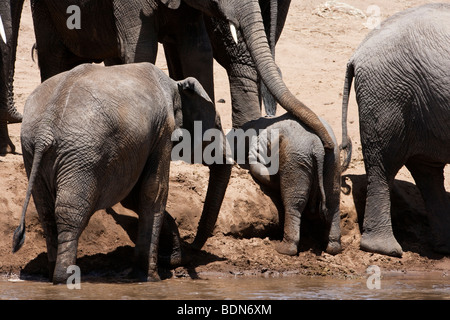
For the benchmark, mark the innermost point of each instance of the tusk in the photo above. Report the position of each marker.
(2, 30)
(233, 32)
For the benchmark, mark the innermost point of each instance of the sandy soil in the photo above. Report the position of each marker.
(312, 54)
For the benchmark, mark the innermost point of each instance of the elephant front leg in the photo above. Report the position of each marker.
(6, 145)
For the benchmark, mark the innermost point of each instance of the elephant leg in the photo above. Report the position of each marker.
(295, 188)
(45, 207)
(153, 193)
(241, 70)
(74, 206)
(429, 179)
(332, 178)
(377, 234)
(170, 243)
(53, 56)
(188, 49)
(245, 100)
(6, 145)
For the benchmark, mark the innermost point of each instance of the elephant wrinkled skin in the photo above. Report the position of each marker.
(403, 94)
(95, 136)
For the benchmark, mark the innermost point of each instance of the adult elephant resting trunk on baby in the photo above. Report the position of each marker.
(96, 136)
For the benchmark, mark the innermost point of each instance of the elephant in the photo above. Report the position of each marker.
(403, 95)
(10, 12)
(95, 136)
(298, 170)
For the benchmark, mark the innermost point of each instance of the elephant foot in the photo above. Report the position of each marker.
(7, 147)
(333, 247)
(383, 245)
(153, 277)
(59, 276)
(287, 248)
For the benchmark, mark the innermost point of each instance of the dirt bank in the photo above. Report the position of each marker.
(312, 54)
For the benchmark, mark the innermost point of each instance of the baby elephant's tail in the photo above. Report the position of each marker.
(319, 158)
(19, 233)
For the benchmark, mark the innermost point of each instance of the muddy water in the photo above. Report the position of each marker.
(283, 288)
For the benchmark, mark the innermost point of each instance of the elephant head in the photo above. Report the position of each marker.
(198, 110)
(10, 12)
(246, 15)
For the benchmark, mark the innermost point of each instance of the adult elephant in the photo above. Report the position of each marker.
(402, 87)
(10, 12)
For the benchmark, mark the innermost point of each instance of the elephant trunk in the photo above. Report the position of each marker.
(218, 181)
(9, 31)
(249, 18)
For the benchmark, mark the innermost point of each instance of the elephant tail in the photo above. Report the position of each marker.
(319, 158)
(346, 145)
(19, 233)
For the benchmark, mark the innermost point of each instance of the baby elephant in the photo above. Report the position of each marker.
(95, 136)
(302, 172)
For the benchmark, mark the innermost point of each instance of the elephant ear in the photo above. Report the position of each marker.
(196, 105)
(172, 4)
(192, 84)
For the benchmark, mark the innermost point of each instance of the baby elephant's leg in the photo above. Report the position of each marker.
(295, 187)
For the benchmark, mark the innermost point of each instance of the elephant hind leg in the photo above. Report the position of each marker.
(295, 187)
(74, 206)
(377, 234)
(152, 198)
(430, 181)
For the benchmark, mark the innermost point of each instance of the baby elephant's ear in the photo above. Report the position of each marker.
(192, 84)
(172, 4)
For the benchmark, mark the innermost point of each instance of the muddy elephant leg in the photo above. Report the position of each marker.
(429, 179)
(332, 186)
(152, 197)
(295, 187)
(170, 243)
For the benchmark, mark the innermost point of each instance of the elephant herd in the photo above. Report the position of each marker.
(94, 136)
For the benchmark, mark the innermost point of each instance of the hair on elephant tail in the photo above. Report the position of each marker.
(346, 145)
(347, 154)
(19, 233)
